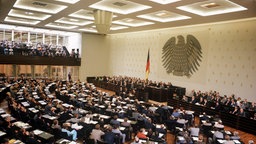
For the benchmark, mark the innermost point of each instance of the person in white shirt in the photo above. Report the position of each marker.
(96, 133)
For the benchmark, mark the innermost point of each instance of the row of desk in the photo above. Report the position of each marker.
(149, 92)
(234, 121)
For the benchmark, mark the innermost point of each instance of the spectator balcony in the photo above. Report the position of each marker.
(39, 60)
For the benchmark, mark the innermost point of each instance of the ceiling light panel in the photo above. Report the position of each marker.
(164, 2)
(73, 21)
(21, 28)
(21, 20)
(4, 26)
(212, 7)
(163, 16)
(118, 27)
(84, 14)
(39, 6)
(119, 6)
(61, 25)
(68, 1)
(89, 29)
(27, 14)
(132, 22)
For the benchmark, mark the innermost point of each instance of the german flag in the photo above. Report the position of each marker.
(147, 66)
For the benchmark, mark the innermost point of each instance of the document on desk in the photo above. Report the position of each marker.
(180, 138)
(228, 132)
(122, 128)
(37, 132)
(2, 133)
(237, 142)
(76, 126)
(195, 138)
(160, 135)
(221, 141)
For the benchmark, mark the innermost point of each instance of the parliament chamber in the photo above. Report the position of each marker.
(127, 72)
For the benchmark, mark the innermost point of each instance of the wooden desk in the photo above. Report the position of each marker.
(237, 122)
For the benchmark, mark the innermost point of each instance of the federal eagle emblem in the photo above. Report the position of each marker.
(181, 59)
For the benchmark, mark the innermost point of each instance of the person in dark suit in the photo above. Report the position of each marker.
(109, 136)
(32, 140)
(241, 112)
(8, 127)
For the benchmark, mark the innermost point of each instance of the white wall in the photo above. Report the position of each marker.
(95, 56)
(74, 41)
(228, 64)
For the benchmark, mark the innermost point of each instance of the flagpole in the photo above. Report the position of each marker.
(148, 65)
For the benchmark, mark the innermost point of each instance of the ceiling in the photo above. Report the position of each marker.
(128, 15)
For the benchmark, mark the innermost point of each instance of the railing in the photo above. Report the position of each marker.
(39, 60)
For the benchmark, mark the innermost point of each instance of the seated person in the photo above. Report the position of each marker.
(176, 113)
(116, 130)
(194, 131)
(32, 140)
(149, 124)
(55, 125)
(254, 116)
(161, 129)
(228, 141)
(75, 119)
(136, 141)
(241, 112)
(141, 134)
(218, 135)
(48, 107)
(9, 127)
(235, 136)
(219, 125)
(72, 133)
(96, 133)
(109, 136)
(114, 121)
(128, 127)
(23, 134)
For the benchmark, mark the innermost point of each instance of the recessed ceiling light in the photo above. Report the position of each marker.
(129, 20)
(116, 27)
(212, 7)
(119, 6)
(58, 25)
(4, 26)
(39, 6)
(164, 1)
(74, 20)
(20, 20)
(132, 23)
(89, 30)
(21, 28)
(69, 1)
(29, 13)
(161, 14)
(77, 22)
(164, 16)
(84, 14)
